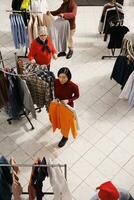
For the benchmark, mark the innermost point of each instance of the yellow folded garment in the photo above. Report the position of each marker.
(25, 4)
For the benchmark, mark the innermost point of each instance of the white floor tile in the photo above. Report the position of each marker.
(82, 168)
(123, 180)
(81, 145)
(105, 145)
(83, 192)
(92, 135)
(95, 179)
(129, 167)
(108, 168)
(116, 135)
(94, 156)
(120, 156)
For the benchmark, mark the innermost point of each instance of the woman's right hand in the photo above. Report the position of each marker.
(33, 61)
(56, 100)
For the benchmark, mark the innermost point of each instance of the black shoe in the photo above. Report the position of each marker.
(61, 54)
(62, 142)
(69, 55)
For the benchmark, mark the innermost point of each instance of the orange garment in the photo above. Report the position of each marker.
(61, 117)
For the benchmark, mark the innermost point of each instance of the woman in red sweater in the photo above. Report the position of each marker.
(42, 49)
(65, 91)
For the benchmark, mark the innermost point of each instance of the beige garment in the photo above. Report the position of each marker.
(40, 20)
(71, 39)
(35, 27)
(48, 20)
(16, 186)
(30, 30)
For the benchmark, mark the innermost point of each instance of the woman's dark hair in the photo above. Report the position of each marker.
(65, 70)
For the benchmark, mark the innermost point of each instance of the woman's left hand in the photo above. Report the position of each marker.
(65, 101)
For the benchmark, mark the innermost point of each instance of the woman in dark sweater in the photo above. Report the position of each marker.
(65, 91)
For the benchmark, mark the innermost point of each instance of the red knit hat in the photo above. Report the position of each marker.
(108, 191)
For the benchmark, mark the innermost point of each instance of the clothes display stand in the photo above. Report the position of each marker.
(9, 120)
(64, 166)
(19, 12)
(120, 22)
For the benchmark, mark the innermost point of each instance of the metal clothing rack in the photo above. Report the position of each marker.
(34, 165)
(9, 120)
(23, 11)
(113, 50)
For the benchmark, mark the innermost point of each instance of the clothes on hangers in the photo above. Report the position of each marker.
(105, 8)
(16, 4)
(18, 95)
(48, 20)
(122, 70)
(16, 186)
(58, 182)
(128, 42)
(25, 4)
(59, 32)
(117, 33)
(112, 16)
(18, 30)
(10, 185)
(39, 6)
(62, 118)
(3, 90)
(27, 98)
(39, 90)
(6, 180)
(128, 90)
(15, 100)
(38, 175)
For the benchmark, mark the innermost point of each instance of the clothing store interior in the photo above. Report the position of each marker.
(66, 99)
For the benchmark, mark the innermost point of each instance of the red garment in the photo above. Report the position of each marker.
(69, 9)
(41, 57)
(68, 91)
(108, 191)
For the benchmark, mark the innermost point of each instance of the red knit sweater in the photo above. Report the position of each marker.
(41, 57)
(69, 91)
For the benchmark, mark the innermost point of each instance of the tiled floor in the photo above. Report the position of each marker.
(104, 149)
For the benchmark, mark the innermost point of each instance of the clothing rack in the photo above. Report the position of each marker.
(23, 11)
(113, 50)
(9, 120)
(34, 165)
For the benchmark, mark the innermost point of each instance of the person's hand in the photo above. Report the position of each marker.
(55, 56)
(61, 15)
(33, 61)
(65, 101)
(56, 100)
(48, 13)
